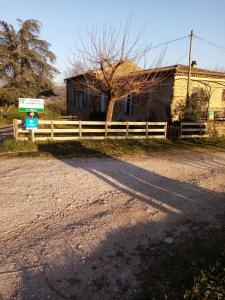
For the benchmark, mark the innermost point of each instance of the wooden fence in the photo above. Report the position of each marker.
(63, 130)
(6, 132)
(58, 130)
(193, 130)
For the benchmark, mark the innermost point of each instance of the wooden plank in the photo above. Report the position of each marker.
(116, 130)
(20, 130)
(93, 130)
(55, 130)
(106, 129)
(156, 123)
(52, 129)
(23, 139)
(156, 130)
(14, 134)
(71, 138)
(93, 137)
(116, 123)
(58, 138)
(137, 130)
(193, 136)
(192, 129)
(127, 128)
(80, 129)
(43, 138)
(45, 122)
(137, 123)
(93, 123)
(165, 133)
(193, 123)
(43, 130)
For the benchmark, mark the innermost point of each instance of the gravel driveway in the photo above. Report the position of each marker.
(70, 228)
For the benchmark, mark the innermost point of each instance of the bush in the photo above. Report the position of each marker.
(209, 284)
(8, 113)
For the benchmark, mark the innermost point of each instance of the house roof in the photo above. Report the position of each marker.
(184, 69)
(175, 70)
(125, 68)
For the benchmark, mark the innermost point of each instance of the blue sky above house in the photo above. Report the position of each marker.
(163, 20)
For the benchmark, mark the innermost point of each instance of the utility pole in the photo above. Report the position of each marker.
(189, 73)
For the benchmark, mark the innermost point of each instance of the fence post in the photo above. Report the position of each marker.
(146, 129)
(165, 135)
(80, 129)
(52, 130)
(15, 129)
(106, 128)
(127, 128)
(206, 128)
(32, 135)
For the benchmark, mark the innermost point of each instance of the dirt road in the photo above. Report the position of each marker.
(70, 228)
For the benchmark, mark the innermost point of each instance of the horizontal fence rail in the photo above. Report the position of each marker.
(193, 130)
(63, 130)
(6, 132)
(60, 130)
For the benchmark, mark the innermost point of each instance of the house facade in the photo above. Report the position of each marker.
(167, 101)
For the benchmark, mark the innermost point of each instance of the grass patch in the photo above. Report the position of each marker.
(107, 147)
(11, 146)
(192, 269)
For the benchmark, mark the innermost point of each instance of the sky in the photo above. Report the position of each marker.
(63, 21)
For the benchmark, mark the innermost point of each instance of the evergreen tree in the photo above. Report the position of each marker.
(25, 62)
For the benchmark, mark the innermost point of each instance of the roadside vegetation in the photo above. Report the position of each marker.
(8, 113)
(107, 147)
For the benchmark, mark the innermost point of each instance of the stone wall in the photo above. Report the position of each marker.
(216, 128)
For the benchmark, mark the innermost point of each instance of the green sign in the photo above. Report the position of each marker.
(31, 105)
(211, 115)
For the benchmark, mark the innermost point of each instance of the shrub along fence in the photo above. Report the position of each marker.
(63, 130)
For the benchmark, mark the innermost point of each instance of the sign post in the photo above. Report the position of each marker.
(211, 115)
(31, 106)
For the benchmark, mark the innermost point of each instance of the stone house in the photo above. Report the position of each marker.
(165, 102)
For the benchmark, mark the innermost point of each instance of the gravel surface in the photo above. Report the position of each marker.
(71, 228)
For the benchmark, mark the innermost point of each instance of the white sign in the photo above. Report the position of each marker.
(31, 105)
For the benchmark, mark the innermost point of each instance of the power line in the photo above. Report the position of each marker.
(169, 42)
(210, 43)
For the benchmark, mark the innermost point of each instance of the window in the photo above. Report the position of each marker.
(103, 103)
(223, 95)
(71, 93)
(128, 105)
(79, 100)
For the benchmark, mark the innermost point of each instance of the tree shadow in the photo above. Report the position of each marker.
(110, 270)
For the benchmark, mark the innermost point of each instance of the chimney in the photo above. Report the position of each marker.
(193, 63)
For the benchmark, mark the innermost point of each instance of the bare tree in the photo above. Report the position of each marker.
(75, 68)
(109, 64)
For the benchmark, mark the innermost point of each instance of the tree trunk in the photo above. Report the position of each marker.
(110, 109)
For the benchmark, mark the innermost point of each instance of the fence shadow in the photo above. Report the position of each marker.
(111, 269)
